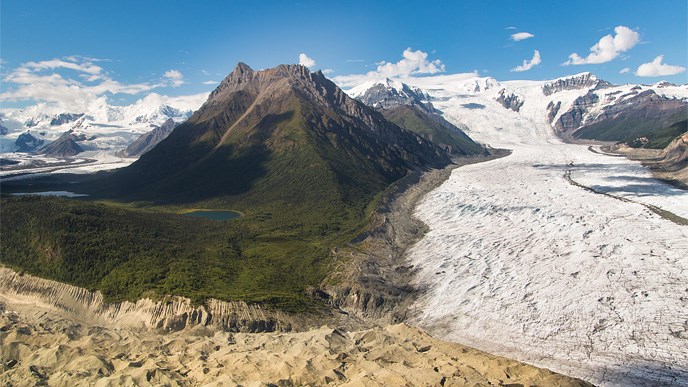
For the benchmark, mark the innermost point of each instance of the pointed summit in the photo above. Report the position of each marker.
(279, 135)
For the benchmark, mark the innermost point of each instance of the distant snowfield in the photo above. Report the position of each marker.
(521, 263)
(31, 165)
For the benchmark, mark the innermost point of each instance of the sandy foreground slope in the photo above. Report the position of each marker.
(40, 346)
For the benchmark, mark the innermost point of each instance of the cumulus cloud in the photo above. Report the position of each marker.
(413, 63)
(528, 64)
(327, 71)
(174, 77)
(658, 69)
(71, 84)
(305, 60)
(517, 37)
(624, 70)
(608, 48)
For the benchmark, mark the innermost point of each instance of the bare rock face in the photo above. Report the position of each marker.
(3, 128)
(64, 146)
(647, 99)
(552, 110)
(26, 142)
(64, 118)
(510, 100)
(148, 141)
(573, 119)
(390, 94)
(582, 81)
(674, 159)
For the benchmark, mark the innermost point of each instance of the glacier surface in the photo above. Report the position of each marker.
(520, 262)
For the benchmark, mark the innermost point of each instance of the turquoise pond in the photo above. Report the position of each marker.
(214, 215)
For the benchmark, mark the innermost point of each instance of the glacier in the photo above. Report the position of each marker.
(520, 260)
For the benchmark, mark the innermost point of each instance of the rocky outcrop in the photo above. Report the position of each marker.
(26, 142)
(3, 129)
(150, 139)
(634, 116)
(676, 153)
(390, 94)
(64, 118)
(169, 314)
(578, 82)
(64, 146)
(573, 119)
(663, 84)
(510, 100)
(646, 99)
(552, 110)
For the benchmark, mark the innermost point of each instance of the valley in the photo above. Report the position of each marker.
(359, 193)
(286, 197)
(520, 262)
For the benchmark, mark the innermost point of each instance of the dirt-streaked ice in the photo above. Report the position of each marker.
(522, 263)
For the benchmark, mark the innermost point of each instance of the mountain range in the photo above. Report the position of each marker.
(103, 128)
(578, 106)
(285, 134)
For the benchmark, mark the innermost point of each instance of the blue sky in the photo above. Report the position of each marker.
(135, 43)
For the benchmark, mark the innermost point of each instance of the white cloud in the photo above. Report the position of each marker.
(624, 70)
(528, 64)
(85, 67)
(304, 60)
(413, 63)
(511, 28)
(608, 48)
(174, 77)
(327, 71)
(51, 84)
(521, 36)
(210, 82)
(658, 69)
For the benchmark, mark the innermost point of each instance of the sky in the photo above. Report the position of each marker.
(69, 52)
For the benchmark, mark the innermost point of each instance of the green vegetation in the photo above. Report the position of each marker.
(128, 253)
(662, 137)
(299, 200)
(660, 131)
(432, 127)
(304, 174)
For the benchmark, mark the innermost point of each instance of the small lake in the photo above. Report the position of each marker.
(214, 215)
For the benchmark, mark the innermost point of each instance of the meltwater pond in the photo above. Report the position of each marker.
(214, 215)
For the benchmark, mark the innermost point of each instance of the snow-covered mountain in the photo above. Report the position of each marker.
(103, 128)
(587, 281)
(390, 93)
(510, 111)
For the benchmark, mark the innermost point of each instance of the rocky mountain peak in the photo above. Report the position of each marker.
(390, 93)
(510, 100)
(243, 78)
(270, 89)
(257, 122)
(64, 146)
(580, 81)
